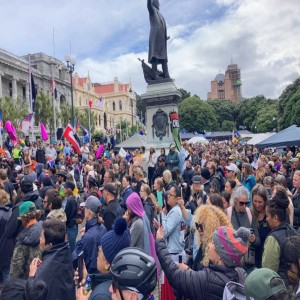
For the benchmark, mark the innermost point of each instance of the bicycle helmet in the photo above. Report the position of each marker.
(132, 268)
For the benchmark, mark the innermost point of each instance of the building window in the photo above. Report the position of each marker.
(24, 92)
(105, 121)
(10, 89)
(79, 101)
(114, 106)
(62, 100)
(120, 105)
(99, 120)
(221, 95)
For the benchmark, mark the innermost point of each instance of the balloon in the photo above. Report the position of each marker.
(44, 132)
(11, 131)
(100, 151)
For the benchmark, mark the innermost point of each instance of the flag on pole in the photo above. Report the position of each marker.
(33, 93)
(26, 123)
(100, 103)
(76, 125)
(69, 135)
(53, 89)
(1, 122)
(90, 103)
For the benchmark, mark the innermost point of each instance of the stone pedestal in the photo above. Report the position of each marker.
(161, 98)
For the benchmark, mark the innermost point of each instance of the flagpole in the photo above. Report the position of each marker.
(90, 136)
(30, 97)
(121, 129)
(54, 104)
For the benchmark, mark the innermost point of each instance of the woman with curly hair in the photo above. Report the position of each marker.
(28, 241)
(206, 219)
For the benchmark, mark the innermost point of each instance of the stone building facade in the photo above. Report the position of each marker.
(227, 86)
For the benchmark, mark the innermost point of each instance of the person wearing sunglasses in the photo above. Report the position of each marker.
(240, 215)
(134, 275)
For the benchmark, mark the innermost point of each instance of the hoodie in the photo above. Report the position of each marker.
(40, 174)
(26, 249)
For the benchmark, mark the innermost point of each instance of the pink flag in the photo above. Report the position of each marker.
(44, 132)
(99, 152)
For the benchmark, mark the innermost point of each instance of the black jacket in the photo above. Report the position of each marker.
(296, 203)
(205, 284)
(187, 175)
(6, 245)
(110, 213)
(14, 226)
(57, 271)
(100, 286)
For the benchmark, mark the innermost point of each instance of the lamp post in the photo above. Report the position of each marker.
(71, 67)
(131, 104)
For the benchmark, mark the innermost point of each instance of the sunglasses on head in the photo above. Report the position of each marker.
(199, 227)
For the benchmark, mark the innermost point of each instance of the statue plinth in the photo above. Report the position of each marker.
(161, 99)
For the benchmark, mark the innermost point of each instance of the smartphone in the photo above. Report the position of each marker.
(180, 259)
(181, 192)
(251, 230)
(80, 266)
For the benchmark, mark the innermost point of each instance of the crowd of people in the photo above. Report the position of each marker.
(188, 224)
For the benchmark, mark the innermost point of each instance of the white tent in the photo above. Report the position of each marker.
(258, 137)
(198, 140)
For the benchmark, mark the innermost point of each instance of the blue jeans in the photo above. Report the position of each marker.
(4, 273)
(72, 233)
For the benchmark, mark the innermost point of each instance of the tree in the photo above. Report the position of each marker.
(140, 107)
(98, 135)
(196, 115)
(185, 94)
(65, 114)
(43, 109)
(83, 118)
(13, 110)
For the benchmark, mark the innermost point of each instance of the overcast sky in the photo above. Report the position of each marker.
(108, 37)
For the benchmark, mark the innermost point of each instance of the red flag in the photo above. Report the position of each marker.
(69, 135)
(90, 103)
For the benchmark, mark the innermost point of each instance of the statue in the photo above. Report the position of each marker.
(157, 40)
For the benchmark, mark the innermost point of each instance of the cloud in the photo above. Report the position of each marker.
(108, 36)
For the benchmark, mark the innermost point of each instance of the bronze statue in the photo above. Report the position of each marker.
(157, 40)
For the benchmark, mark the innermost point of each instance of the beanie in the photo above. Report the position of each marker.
(115, 240)
(26, 207)
(231, 245)
(205, 173)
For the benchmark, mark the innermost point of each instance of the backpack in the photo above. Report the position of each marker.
(234, 290)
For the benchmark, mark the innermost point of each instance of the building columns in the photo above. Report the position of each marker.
(14, 89)
(1, 85)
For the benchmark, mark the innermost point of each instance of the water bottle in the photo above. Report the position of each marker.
(87, 286)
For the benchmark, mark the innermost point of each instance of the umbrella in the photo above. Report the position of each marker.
(198, 140)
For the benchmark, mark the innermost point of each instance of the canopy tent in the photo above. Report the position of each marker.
(287, 137)
(259, 137)
(198, 140)
(134, 142)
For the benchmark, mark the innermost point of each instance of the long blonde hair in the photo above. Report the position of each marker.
(211, 217)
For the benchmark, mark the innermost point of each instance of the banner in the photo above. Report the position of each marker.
(69, 136)
(122, 152)
(174, 119)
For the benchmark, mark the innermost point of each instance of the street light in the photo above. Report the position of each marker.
(131, 104)
(71, 67)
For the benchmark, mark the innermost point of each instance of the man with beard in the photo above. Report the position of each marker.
(53, 206)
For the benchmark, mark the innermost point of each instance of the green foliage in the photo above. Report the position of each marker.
(140, 107)
(185, 94)
(43, 109)
(83, 118)
(13, 110)
(65, 114)
(289, 105)
(196, 115)
(97, 135)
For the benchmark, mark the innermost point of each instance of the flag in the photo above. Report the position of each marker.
(69, 136)
(53, 89)
(100, 103)
(33, 93)
(26, 123)
(1, 122)
(86, 134)
(44, 132)
(76, 125)
(90, 103)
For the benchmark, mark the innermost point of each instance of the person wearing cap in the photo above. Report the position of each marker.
(172, 160)
(265, 284)
(227, 248)
(14, 226)
(110, 244)
(94, 230)
(160, 168)
(232, 171)
(112, 210)
(198, 195)
(71, 213)
(27, 242)
(188, 172)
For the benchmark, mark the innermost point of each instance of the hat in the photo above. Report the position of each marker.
(69, 185)
(111, 188)
(26, 207)
(92, 203)
(26, 185)
(205, 173)
(172, 146)
(232, 167)
(18, 168)
(196, 179)
(231, 245)
(258, 284)
(62, 173)
(232, 157)
(92, 180)
(115, 240)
